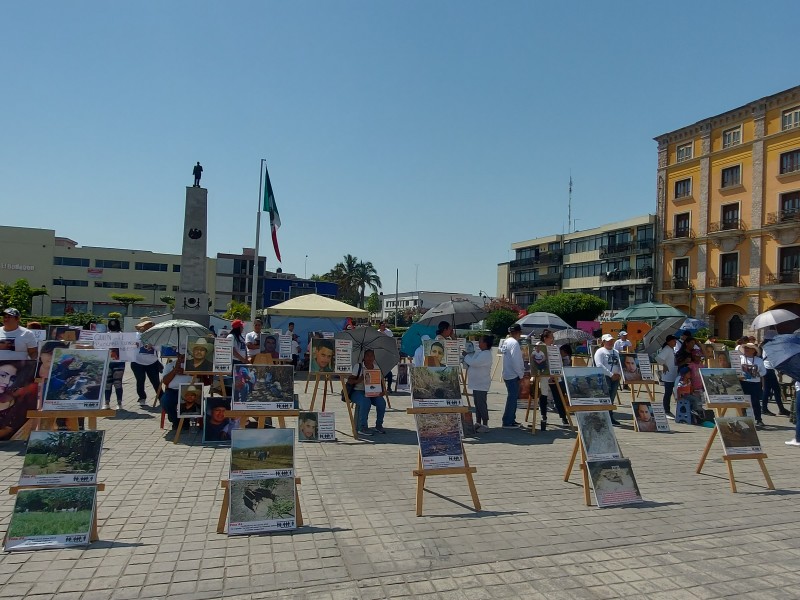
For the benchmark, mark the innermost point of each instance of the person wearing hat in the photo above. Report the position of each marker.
(772, 386)
(198, 361)
(752, 375)
(190, 400)
(607, 359)
(146, 363)
(239, 344)
(16, 342)
(513, 372)
(669, 371)
(683, 335)
(174, 377)
(623, 344)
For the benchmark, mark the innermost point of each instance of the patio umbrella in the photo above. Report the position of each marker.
(366, 338)
(773, 317)
(412, 338)
(536, 322)
(654, 339)
(170, 333)
(783, 351)
(571, 336)
(693, 324)
(455, 312)
(647, 311)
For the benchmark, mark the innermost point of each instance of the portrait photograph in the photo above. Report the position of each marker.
(199, 355)
(631, 372)
(217, 427)
(190, 400)
(643, 416)
(538, 360)
(19, 393)
(322, 355)
(308, 427)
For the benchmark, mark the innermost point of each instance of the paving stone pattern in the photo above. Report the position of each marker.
(534, 538)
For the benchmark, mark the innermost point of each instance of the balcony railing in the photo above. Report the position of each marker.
(680, 233)
(792, 276)
(543, 281)
(676, 284)
(550, 257)
(644, 273)
(611, 249)
(618, 275)
(643, 246)
(727, 225)
(785, 215)
(725, 281)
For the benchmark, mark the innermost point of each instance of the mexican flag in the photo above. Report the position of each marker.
(274, 217)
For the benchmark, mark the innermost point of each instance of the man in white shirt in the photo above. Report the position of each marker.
(513, 372)
(16, 342)
(607, 359)
(253, 340)
(623, 344)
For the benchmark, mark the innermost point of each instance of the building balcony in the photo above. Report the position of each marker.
(727, 234)
(543, 258)
(784, 226)
(545, 281)
(616, 249)
(783, 286)
(682, 233)
(726, 289)
(783, 277)
(672, 285)
(644, 246)
(626, 274)
(726, 281)
(727, 225)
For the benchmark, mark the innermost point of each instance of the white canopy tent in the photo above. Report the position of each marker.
(314, 305)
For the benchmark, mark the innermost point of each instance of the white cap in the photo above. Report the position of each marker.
(607, 337)
(621, 333)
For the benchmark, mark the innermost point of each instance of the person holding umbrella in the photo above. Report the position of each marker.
(444, 331)
(359, 397)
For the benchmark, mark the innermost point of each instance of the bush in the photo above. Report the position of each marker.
(570, 306)
(499, 321)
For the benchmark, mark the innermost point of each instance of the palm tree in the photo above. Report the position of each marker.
(366, 276)
(344, 274)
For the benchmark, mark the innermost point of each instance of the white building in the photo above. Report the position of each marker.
(423, 300)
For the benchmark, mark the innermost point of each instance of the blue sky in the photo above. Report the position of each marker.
(423, 136)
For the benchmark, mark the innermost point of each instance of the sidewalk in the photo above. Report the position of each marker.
(692, 538)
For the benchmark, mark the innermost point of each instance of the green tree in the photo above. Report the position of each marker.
(236, 310)
(374, 303)
(169, 301)
(366, 277)
(353, 276)
(127, 300)
(19, 295)
(499, 321)
(571, 307)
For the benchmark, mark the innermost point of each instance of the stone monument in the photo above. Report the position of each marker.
(191, 300)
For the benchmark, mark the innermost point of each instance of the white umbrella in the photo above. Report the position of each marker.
(773, 317)
(571, 336)
(171, 333)
(535, 323)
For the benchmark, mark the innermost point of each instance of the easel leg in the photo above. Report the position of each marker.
(314, 395)
(470, 481)
(763, 466)
(223, 511)
(565, 404)
(587, 495)
(308, 380)
(572, 457)
(731, 475)
(710, 441)
(178, 432)
(298, 510)
(420, 486)
(93, 423)
(534, 396)
(385, 393)
(282, 422)
(261, 422)
(325, 392)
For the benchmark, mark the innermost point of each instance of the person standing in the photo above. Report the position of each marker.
(513, 372)
(795, 441)
(146, 363)
(239, 345)
(771, 384)
(479, 366)
(359, 397)
(548, 386)
(623, 344)
(253, 340)
(753, 371)
(174, 376)
(666, 358)
(388, 333)
(16, 342)
(607, 359)
(116, 369)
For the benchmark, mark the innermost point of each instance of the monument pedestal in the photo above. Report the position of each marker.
(191, 300)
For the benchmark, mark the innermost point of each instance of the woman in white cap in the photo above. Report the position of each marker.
(607, 359)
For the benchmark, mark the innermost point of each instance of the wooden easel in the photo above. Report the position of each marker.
(635, 388)
(464, 389)
(533, 401)
(44, 420)
(721, 408)
(223, 511)
(261, 416)
(578, 447)
(317, 374)
(420, 473)
(343, 379)
(93, 535)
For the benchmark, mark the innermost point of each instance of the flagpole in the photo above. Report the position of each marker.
(254, 292)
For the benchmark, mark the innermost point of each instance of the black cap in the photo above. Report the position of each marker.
(11, 312)
(515, 327)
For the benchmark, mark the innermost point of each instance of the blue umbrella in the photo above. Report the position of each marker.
(693, 324)
(411, 339)
(783, 352)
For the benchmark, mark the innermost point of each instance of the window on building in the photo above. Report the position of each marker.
(71, 282)
(790, 205)
(684, 152)
(731, 176)
(70, 261)
(789, 264)
(149, 286)
(732, 137)
(174, 288)
(730, 216)
(645, 232)
(111, 284)
(683, 188)
(680, 273)
(112, 264)
(790, 162)
(729, 269)
(148, 266)
(176, 268)
(791, 118)
(682, 223)
(277, 296)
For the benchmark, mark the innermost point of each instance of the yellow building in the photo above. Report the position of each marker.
(729, 214)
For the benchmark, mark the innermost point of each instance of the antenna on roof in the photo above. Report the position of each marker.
(569, 205)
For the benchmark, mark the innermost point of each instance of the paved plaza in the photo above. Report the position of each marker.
(534, 538)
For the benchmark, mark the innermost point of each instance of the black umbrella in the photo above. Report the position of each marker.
(455, 312)
(366, 338)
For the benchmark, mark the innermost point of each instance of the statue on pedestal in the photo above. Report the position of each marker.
(198, 173)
